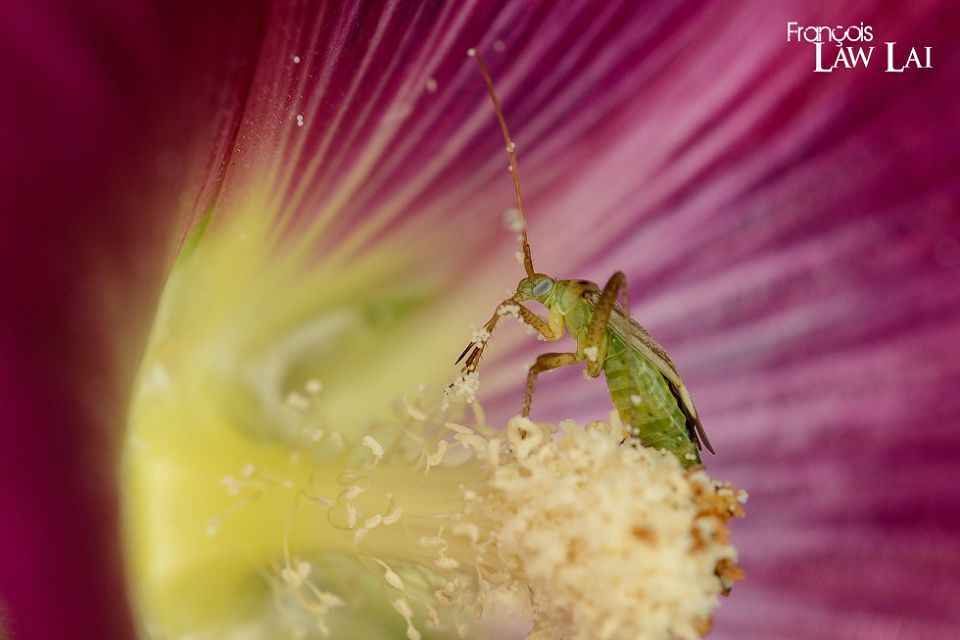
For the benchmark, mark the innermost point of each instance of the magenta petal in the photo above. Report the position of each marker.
(793, 238)
(100, 110)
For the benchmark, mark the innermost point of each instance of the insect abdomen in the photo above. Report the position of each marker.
(645, 403)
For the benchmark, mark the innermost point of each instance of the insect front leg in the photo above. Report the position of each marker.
(508, 307)
(596, 343)
(545, 362)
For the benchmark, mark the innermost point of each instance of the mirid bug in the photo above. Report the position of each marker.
(643, 381)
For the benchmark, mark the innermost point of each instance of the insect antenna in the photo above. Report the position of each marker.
(512, 153)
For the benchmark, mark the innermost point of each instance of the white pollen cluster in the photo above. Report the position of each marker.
(466, 386)
(512, 310)
(480, 336)
(614, 539)
(575, 529)
(513, 220)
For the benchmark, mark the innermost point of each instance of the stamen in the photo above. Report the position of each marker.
(375, 447)
(391, 576)
(499, 520)
(297, 401)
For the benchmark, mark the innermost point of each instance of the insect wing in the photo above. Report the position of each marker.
(640, 340)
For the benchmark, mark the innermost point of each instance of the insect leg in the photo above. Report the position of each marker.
(524, 314)
(545, 362)
(601, 317)
(539, 324)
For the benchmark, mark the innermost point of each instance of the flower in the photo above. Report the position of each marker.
(791, 237)
(258, 500)
(450, 528)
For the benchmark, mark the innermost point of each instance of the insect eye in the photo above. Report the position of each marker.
(542, 287)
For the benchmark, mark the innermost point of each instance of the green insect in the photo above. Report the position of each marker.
(643, 381)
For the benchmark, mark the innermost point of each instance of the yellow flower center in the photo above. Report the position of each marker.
(256, 506)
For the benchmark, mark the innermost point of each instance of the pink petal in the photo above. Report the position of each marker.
(97, 139)
(791, 237)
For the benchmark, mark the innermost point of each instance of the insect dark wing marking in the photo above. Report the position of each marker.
(694, 426)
